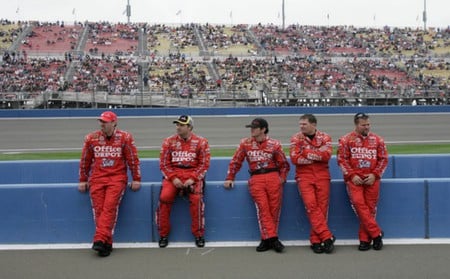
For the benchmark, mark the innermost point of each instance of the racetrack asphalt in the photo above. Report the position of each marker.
(221, 131)
(394, 261)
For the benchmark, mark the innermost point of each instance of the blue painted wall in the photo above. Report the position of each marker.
(223, 111)
(40, 203)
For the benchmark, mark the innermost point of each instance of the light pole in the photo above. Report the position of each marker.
(128, 11)
(425, 15)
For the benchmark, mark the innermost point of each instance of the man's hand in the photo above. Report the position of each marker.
(188, 183)
(357, 180)
(369, 180)
(177, 183)
(228, 184)
(135, 186)
(83, 187)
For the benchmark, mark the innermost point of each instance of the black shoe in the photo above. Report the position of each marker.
(328, 245)
(109, 247)
(317, 248)
(264, 245)
(277, 245)
(102, 248)
(106, 252)
(163, 242)
(378, 242)
(200, 241)
(364, 246)
(98, 246)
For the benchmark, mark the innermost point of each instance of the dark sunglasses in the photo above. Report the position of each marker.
(361, 115)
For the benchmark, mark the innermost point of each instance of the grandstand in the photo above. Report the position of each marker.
(102, 64)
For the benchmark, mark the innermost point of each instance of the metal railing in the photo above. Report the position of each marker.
(217, 98)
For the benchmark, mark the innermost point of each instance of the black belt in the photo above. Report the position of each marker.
(261, 171)
(184, 167)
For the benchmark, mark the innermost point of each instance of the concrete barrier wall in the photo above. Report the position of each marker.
(66, 171)
(39, 203)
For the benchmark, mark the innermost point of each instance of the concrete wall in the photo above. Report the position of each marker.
(39, 203)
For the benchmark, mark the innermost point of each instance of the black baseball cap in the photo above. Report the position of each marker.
(258, 123)
(184, 120)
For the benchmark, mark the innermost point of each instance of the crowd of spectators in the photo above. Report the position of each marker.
(179, 77)
(33, 75)
(218, 37)
(163, 39)
(299, 60)
(112, 38)
(249, 74)
(51, 37)
(8, 33)
(113, 74)
(350, 41)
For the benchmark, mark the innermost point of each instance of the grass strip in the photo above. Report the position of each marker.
(392, 149)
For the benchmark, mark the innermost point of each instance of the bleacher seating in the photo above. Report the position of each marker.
(109, 38)
(51, 38)
(261, 61)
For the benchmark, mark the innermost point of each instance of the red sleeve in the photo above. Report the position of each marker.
(165, 160)
(86, 160)
(323, 153)
(343, 158)
(132, 158)
(236, 161)
(382, 159)
(204, 156)
(296, 150)
(282, 162)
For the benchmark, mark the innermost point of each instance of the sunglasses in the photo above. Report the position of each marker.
(361, 115)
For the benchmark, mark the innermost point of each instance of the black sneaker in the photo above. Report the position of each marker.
(263, 246)
(106, 252)
(328, 245)
(364, 246)
(98, 246)
(277, 245)
(200, 241)
(378, 242)
(102, 248)
(109, 247)
(317, 248)
(163, 242)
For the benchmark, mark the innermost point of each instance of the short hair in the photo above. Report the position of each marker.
(310, 117)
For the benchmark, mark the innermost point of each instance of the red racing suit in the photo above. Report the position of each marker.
(310, 157)
(269, 169)
(358, 155)
(183, 159)
(104, 165)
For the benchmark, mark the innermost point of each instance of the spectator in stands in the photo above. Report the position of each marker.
(103, 172)
(184, 161)
(310, 152)
(268, 169)
(363, 158)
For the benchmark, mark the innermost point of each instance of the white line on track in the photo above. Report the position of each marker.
(189, 245)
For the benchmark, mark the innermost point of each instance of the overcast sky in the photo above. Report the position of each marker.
(369, 13)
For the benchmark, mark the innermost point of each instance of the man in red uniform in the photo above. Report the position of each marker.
(268, 169)
(363, 158)
(310, 152)
(184, 161)
(103, 172)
